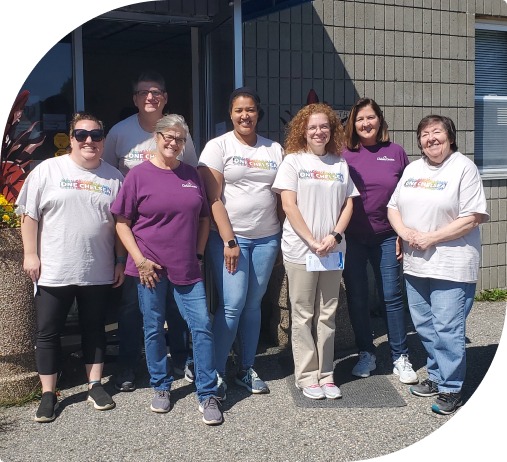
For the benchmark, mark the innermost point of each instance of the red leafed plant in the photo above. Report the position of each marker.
(16, 150)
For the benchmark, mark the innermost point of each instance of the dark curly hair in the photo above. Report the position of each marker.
(295, 140)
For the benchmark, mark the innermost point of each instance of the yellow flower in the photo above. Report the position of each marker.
(3, 200)
(8, 208)
(6, 218)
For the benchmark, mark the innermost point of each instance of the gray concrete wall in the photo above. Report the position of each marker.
(413, 57)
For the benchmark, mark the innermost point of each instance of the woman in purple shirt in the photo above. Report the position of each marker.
(375, 166)
(163, 221)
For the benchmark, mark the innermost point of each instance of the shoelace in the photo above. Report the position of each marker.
(448, 397)
(364, 357)
(211, 403)
(251, 375)
(405, 363)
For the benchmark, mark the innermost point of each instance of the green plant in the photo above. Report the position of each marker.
(492, 295)
(17, 148)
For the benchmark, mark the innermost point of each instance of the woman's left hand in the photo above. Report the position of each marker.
(421, 241)
(326, 245)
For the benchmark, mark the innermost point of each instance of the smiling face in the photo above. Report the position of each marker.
(318, 133)
(149, 98)
(367, 125)
(170, 143)
(86, 153)
(435, 143)
(244, 116)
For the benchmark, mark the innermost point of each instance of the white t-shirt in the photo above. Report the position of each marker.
(322, 185)
(248, 173)
(76, 228)
(127, 145)
(430, 197)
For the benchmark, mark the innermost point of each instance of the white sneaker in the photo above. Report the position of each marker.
(366, 364)
(314, 392)
(403, 369)
(331, 391)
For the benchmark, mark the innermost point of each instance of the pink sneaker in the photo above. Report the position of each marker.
(314, 392)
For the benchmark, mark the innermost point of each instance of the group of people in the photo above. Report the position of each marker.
(331, 200)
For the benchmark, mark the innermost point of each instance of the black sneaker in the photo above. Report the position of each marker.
(125, 380)
(211, 412)
(100, 398)
(425, 389)
(47, 407)
(447, 403)
(189, 372)
(251, 381)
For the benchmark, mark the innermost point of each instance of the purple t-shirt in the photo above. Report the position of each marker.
(375, 171)
(165, 207)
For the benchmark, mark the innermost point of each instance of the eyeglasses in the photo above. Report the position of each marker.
(144, 93)
(82, 135)
(170, 138)
(314, 128)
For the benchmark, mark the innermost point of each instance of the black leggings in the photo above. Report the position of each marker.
(52, 305)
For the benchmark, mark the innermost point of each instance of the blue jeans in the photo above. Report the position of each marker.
(381, 253)
(439, 310)
(130, 329)
(191, 301)
(240, 295)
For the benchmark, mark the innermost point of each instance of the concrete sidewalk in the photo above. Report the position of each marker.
(256, 428)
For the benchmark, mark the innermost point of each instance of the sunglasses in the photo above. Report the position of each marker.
(82, 135)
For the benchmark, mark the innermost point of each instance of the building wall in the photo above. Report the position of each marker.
(413, 57)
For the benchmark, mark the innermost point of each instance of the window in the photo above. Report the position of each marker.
(491, 98)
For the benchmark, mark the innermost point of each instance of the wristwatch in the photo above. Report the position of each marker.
(231, 244)
(337, 236)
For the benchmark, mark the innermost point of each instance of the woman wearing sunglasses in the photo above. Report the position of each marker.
(71, 252)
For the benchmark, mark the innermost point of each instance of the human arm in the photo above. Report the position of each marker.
(120, 260)
(454, 230)
(296, 220)
(329, 241)
(213, 183)
(31, 261)
(147, 268)
(109, 154)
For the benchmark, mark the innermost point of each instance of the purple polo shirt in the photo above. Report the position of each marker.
(375, 171)
(165, 207)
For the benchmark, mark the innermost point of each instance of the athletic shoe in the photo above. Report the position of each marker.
(331, 391)
(211, 412)
(221, 388)
(189, 372)
(403, 368)
(314, 392)
(161, 401)
(425, 389)
(47, 407)
(251, 381)
(125, 380)
(100, 398)
(366, 364)
(447, 403)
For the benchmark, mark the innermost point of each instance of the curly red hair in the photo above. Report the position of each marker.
(295, 140)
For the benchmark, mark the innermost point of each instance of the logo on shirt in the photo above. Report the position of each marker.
(140, 156)
(385, 158)
(188, 185)
(425, 183)
(82, 185)
(316, 175)
(254, 163)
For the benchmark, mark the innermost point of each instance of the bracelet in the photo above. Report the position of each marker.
(142, 263)
(121, 259)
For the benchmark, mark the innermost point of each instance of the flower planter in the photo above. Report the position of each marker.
(18, 376)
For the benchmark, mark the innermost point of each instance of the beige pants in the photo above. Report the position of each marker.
(314, 300)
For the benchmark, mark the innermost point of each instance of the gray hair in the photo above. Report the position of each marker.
(173, 121)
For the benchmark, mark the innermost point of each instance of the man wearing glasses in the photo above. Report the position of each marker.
(127, 144)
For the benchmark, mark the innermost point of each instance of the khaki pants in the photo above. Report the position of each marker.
(314, 300)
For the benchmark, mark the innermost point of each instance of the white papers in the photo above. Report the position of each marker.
(331, 262)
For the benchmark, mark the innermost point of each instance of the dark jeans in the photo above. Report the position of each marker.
(130, 329)
(52, 305)
(381, 253)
